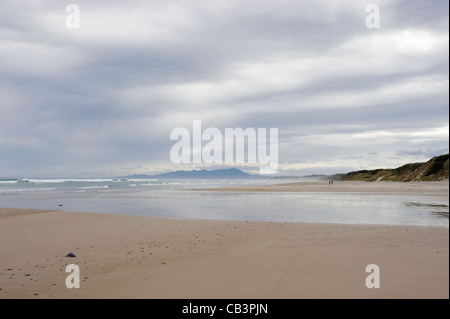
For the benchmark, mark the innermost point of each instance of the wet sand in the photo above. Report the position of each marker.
(123, 256)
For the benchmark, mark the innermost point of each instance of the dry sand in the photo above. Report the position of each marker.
(385, 188)
(144, 257)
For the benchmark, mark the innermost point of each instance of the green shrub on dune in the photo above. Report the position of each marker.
(436, 169)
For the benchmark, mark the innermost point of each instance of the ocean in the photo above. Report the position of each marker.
(177, 198)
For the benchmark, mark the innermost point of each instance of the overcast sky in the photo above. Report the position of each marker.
(101, 100)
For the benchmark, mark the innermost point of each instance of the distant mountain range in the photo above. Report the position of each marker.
(218, 173)
(436, 169)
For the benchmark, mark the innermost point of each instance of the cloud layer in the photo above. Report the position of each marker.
(103, 99)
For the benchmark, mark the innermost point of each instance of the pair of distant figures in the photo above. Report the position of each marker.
(330, 182)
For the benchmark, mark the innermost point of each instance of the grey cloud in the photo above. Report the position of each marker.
(428, 153)
(109, 93)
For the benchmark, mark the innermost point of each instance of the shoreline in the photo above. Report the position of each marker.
(124, 256)
(440, 188)
(347, 202)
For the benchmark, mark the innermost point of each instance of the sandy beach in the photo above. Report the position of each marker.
(144, 257)
(198, 150)
(381, 188)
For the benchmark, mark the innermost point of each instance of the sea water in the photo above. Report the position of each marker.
(177, 198)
